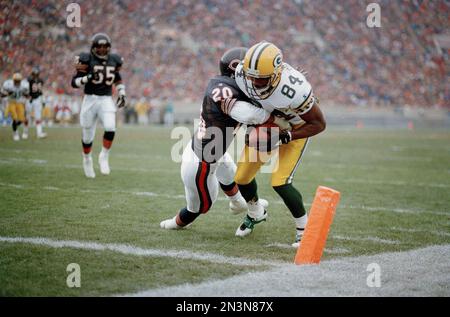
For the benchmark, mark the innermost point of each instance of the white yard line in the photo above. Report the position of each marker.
(370, 239)
(422, 272)
(288, 246)
(137, 251)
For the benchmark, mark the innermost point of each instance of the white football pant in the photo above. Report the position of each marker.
(96, 107)
(201, 180)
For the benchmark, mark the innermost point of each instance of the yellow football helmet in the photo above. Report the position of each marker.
(262, 69)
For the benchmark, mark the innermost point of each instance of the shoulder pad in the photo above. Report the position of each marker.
(83, 58)
(117, 58)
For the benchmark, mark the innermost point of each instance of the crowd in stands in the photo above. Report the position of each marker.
(172, 47)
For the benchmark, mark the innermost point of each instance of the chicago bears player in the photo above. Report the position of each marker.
(282, 90)
(97, 71)
(205, 162)
(36, 101)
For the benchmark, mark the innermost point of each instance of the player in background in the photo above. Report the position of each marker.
(97, 71)
(279, 89)
(36, 102)
(16, 90)
(205, 163)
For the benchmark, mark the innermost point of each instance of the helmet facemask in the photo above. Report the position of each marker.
(101, 50)
(261, 87)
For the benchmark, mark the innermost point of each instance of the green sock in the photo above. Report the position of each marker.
(292, 199)
(249, 191)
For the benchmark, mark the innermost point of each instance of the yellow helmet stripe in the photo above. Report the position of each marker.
(257, 54)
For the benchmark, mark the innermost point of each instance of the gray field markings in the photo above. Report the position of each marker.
(38, 162)
(437, 233)
(385, 182)
(138, 251)
(288, 246)
(367, 239)
(182, 197)
(41, 162)
(421, 272)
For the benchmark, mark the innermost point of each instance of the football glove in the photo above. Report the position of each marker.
(282, 123)
(121, 101)
(285, 137)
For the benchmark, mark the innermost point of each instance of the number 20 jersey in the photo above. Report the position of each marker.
(293, 92)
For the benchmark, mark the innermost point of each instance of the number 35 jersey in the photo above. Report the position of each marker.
(107, 70)
(292, 97)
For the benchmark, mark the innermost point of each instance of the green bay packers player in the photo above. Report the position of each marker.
(283, 91)
(16, 90)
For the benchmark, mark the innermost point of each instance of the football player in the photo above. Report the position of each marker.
(97, 71)
(205, 162)
(36, 101)
(282, 90)
(16, 90)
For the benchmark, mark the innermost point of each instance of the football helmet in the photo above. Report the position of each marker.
(230, 59)
(35, 71)
(101, 45)
(262, 68)
(17, 78)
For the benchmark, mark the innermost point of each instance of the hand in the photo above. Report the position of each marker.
(121, 101)
(285, 137)
(93, 76)
(282, 123)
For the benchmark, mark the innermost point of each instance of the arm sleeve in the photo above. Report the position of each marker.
(247, 113)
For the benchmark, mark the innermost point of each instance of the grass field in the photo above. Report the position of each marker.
(395, 196)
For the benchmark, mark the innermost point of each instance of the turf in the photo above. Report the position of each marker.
(394, 184)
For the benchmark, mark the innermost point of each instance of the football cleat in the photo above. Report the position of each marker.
(298, 238)
(16, 136)
(247, 226)
(88, 166)
(170, 224)
(42, 135)
(104, 164)
(238, 206)
(25, 135)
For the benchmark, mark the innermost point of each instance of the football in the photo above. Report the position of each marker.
(263, 137)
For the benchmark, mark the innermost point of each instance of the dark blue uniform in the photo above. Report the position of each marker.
(215, 132)
(107, 70)
(35, 87)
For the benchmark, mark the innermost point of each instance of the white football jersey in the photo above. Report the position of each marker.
(293, 92)
(18, 92)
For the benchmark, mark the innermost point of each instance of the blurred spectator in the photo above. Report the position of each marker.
(171, 47)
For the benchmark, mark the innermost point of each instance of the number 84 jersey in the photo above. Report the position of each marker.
(291, 98)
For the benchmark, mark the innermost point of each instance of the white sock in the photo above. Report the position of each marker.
(236, 196)
(86, 156)
(255, 210)
(105, 151)
(39, 128)
(300, 223)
